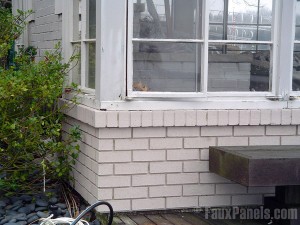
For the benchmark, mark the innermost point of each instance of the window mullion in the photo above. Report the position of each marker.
(98, 49)
(285, 45)
(130, 48)
(276, 15)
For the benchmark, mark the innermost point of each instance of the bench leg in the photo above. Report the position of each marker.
(287, 199)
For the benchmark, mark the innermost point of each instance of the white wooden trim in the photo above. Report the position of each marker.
(192, 104)
(274, 51)
(167, 40)
(98, 49)
(130, 49)
(89, 40)
(205, 47)
(179, 95)
(285, 47)
(83, 47)
(113, 49)
(238, 42)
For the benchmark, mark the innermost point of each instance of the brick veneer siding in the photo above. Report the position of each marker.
(151, 160)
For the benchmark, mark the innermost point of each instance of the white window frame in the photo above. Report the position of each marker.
(81, 7)
(204, 60)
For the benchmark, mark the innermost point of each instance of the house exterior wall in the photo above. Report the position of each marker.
(151, 160)
(44, 29)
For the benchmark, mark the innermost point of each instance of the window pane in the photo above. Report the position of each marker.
(298, 13)
(91, 26)
(250, 11)
(242, 11)
(265, 12)
(91, 70)
(76, 65)
(167, 19)
(216, 11)
(242, 32)
(216, 32)
(264, 33)
(244, 20)
(238, 68)
(296, 68)
(166, 67)
(297, 34)
(77, 20)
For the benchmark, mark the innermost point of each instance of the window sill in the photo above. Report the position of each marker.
(187, 103)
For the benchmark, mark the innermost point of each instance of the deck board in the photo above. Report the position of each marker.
(159, 220)
(141, 220)
(177, 218)
(194, 220)
(118, 221)
(127, 220)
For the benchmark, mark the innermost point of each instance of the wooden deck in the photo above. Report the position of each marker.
(176, 219)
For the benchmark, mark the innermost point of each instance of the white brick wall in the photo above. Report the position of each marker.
(160, 160)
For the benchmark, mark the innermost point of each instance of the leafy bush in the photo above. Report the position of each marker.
(31, 149)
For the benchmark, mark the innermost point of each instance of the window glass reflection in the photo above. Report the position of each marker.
(167, 19)
(240, 20)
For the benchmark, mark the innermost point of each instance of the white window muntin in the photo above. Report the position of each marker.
(204, 61)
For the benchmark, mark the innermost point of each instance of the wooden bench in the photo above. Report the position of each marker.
(277, 166)
(257, 165)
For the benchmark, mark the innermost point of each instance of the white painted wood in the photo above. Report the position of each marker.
(98, 49)
(84, 48)
(129, 71)
(113, 49)
(216, 103)
(167, 40)
(239, 42)
(236, 95)
(285, 48)
(276, 17)
(205, 47)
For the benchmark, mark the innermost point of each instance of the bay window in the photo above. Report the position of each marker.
(196, 54)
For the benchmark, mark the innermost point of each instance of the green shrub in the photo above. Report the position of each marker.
(31, 148)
